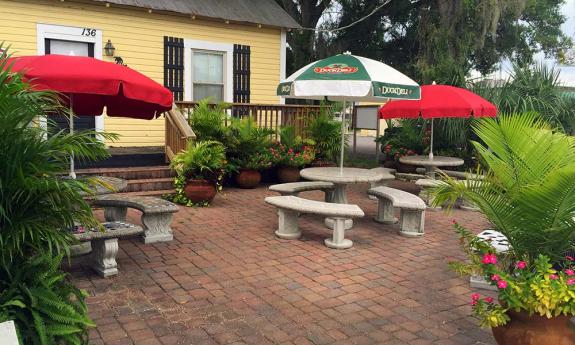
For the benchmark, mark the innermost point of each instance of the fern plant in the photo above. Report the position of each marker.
(326, 134)
(201, 160)
(46, 308)
(208, 120)
(529, 189)
(244, 139)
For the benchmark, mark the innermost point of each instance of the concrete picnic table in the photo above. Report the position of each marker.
(340, 179)
(431, 165)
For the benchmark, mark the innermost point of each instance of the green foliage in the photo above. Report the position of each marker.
(45, 306)
(244, 139)
(533, 89)
(208, 120)
(528, 193)
(201, 160)
(326, 134)
(37, 205)
(404, 134)
(533, 286)
(289, 156)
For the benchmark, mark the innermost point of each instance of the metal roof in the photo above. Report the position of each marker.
(265, 12)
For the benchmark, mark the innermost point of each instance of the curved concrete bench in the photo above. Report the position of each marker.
(389, 175)
(294, 188)
(425, 184)
(105, 245)
(290, 206)
(157, 214)
(409, 177)
(412, 210)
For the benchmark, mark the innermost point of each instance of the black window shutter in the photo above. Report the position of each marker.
(241, 73)
(174, 66)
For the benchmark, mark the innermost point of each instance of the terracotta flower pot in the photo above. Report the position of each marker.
(405, 168)
(288, 174)
(248, 178)
(321, 163)
(523, 329)
(200, 191)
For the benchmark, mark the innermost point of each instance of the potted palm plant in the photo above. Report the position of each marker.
(200, 170)
(247, 146)
(325, 132)
(528, 194)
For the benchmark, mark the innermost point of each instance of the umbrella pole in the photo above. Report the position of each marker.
(72, 172)
(431, 143)
(342, 148)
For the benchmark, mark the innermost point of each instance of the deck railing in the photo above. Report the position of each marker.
(271, 116)
(178, 132)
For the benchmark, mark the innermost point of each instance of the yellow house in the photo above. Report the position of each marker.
(230, 50)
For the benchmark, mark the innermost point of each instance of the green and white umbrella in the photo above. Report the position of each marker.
(347, 77)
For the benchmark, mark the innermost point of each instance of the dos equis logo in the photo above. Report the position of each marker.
(335, 68)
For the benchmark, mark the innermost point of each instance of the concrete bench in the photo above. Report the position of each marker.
(409, 177)
(388, 175)
(462, 175)
(290, 206)
(501, 245)
(425, 185)
(156, 217)
(412, 210)
(295, 188)
(105, 245)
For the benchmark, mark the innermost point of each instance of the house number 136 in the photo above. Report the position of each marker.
(89, 32)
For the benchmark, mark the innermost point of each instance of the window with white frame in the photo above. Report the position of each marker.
(208, 75)
(208, 70)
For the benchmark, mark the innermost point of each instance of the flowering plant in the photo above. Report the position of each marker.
(396, 152)
(292, 157)
(533, 286)
(260, 159)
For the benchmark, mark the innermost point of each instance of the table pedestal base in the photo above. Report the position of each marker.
(330, 223)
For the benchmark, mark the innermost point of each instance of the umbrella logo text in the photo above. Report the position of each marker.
(336, 68)
(395, 90)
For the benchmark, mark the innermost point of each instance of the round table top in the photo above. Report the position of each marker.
(437, 161)
(108, 185)
(347, 176)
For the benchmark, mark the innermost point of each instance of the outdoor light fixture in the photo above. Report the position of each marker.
(109, 49)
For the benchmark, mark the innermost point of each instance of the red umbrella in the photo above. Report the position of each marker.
(94, 84)
(439, 101)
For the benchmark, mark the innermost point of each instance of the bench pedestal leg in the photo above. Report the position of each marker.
(104, 256)
(338, 196)
(338, 241)
(385, 212)
(115, 214)
(157, 227)
(287, 225)
(412, 223)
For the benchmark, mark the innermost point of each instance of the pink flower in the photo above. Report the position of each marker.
(473, 303)
(569, 272)
(521, 265)
(453, 221)
(502, 284)
(571, 281)
(495, 278)
(489, 259)
(488, 299)
(475, 297)
(553, 277)
(570, 258)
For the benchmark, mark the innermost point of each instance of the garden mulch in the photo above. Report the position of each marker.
(226, 279)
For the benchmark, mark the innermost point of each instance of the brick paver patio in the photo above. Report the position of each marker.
(226, 279)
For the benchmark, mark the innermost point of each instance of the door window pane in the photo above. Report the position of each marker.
(69, 48)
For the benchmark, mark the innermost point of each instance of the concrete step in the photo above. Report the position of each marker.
(131, 173)
(150, 184)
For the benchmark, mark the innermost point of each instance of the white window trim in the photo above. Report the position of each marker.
(283, 51)
(70, 33)
(228, 52)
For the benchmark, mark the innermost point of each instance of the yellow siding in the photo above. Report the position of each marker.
(138, 38)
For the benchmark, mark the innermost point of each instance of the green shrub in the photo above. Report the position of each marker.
(326, 135)
(45, 306)
(208, 121)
